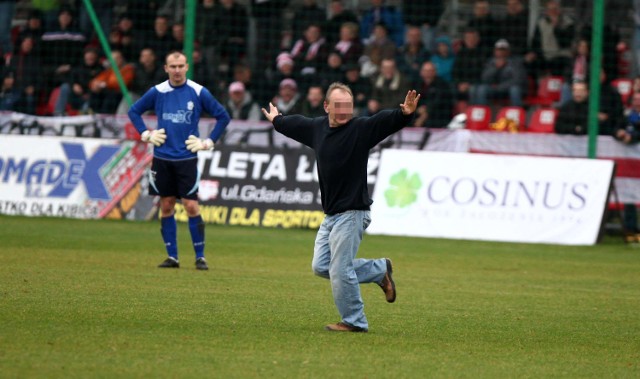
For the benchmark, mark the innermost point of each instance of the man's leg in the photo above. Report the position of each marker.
(321, 251)
(196, 228)
(169, 231)
(344, 240)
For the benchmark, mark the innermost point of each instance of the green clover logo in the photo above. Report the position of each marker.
(404, 188)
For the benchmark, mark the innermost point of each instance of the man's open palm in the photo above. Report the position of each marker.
(410, 102)
(273, 112)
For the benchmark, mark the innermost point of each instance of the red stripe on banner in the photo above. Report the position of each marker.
(625, 167)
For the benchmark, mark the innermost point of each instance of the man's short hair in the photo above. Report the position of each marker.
(334, 86)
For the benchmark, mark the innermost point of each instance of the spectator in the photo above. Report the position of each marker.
(313, 105)
(287, 97)
(206, 24)
(467, 68)
(144, 15)
(200, 70)
(62, 49)
(361, 88)
(502, 77)
(148, 73)
(610, 40)
(105, 89)
(349, 46)
(573, 115)
(514, 27)
(339, 16)
(122, 38)
(379, 47)
(387, 87)
(306, 15)
(611, 112)
(382, 14)
(551, 45)
(240, 105)
(76, 92)
(230, 32)
(26, 66)
(104, 12)
(576, 70)
(310, 53)
(443, 58)
(33, 28)
(332, 73)
(424, 15)
(268, 17)
(412, 54)
(285, 70)
(629, 134)
(159, 40)
(483, 21)
(9, 94)
(177, 37)
(254, 83)
(436, 100)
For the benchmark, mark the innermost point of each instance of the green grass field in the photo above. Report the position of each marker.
(84, 299)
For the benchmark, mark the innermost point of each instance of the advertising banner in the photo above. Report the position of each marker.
(70, 177)
(270, 187)
(490, 197)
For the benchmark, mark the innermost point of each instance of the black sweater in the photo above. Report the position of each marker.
(342, 153)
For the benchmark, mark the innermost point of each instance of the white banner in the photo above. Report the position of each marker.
(490, 197)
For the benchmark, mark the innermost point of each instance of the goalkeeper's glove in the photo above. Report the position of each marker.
(156, 137)
(196, 144)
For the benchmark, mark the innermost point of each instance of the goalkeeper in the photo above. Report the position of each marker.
(178, 104)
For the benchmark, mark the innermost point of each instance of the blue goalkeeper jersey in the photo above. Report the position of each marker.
(178, 110)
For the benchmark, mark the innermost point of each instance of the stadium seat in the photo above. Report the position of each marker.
(517, 114)
(624, 87)
(549, 90)
(478, 117)
(543, 120)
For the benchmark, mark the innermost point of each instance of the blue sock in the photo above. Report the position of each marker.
(168, 231)
(196, 227)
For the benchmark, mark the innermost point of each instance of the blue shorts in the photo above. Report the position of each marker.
(174, 178)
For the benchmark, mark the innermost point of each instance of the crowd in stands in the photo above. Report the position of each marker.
(54, 63)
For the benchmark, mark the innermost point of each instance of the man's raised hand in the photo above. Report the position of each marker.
(410, 102)
(273, 112)
(156, 137)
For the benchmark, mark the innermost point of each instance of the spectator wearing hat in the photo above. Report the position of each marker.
(360, 86)
(240, 104)
(287, 96)
(444, 58)
(285, 69)
(503, 77)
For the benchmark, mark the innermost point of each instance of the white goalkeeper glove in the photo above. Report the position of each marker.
(156, 137)
(196, 144)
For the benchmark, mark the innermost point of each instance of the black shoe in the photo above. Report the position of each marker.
(201, 264)
(388, 285)
(170, 263)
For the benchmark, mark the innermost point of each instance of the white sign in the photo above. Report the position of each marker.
(490, 197)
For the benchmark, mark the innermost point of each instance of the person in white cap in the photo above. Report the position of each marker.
(503, 77)
(240, 105)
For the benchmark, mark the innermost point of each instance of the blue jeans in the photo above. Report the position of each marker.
(334, 258)
(486, 92)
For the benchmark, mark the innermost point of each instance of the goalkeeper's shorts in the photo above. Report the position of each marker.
(174, 178)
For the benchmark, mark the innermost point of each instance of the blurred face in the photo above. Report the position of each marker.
(35, 23)
(237, 96)
(334, 60)
(226, 3)
(161, 25)
(471, 39)
(414, 36)
(125, 24)
(118, 58)
(336, 7)
(287, 93)
(315, 96)
(339, 106)
(312, 34)
(580, 92)
(583, 47)
(346, 33)
(176, 68)
(65, 19)
(352, 75)
(90, 58)
(27, 45)
(178, 32)
(379, 32)
(443, 49)
(635, 102)
(481, 9)
(388, 68)
(500, 53)
(514, 7)
(552, 9)
(428, 72)
(147, 57)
